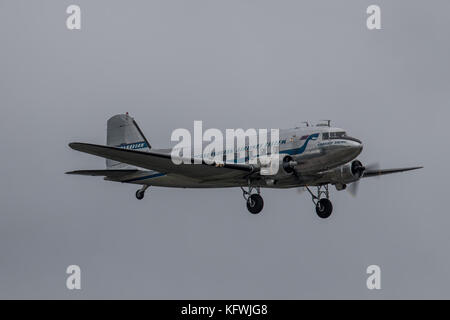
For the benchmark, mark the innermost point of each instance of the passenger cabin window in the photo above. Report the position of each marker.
(325, 136)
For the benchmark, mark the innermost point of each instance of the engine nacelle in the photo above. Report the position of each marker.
(277, 165)
(348, 173)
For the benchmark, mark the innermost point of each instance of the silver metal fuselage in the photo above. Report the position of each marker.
(317, 149)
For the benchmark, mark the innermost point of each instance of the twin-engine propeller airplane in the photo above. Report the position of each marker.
(310, 156)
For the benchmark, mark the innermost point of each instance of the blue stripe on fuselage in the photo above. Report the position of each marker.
(295, 151)
(302, 149)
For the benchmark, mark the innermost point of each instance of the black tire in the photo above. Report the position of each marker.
(255, 203)
(139, 195)
(324, 208)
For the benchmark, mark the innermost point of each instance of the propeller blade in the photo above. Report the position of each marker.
(301, 190)
(353, 188)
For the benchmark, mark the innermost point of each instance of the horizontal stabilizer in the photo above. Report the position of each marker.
(103, 173)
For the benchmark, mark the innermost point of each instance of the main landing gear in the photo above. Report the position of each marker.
(324, 208)
(255, 202)
(141, 192)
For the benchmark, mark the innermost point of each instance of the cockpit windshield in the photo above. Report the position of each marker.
(333, 135)
(338, 135)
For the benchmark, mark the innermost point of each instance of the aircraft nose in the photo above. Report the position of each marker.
(347, 150)
(356, 147)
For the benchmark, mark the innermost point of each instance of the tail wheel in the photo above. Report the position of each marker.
(324, 208)
(139, 194)
(255, 203)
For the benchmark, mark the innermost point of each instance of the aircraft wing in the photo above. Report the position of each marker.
(162, 162)
(373, 173)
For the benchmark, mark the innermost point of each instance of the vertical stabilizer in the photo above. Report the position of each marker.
(123, 132)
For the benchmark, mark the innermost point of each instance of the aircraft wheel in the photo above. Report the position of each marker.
(255, 203)
(324, 208)
(140, 195)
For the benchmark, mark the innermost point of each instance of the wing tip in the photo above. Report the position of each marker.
(74, 145)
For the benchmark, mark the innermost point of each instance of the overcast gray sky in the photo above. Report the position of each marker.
(232, 64)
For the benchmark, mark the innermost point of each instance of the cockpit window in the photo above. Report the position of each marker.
(334, 135)
(337, 135)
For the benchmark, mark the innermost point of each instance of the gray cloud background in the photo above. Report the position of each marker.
(231, 64)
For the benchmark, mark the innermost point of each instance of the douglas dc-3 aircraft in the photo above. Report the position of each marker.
(309, 157)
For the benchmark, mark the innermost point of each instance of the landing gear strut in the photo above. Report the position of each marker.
(255, 202)
(324, 207)
(141, 192)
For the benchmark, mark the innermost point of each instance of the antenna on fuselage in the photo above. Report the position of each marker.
(327, 124)
(305, 122)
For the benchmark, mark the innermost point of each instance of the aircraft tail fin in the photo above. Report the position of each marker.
(123, 132)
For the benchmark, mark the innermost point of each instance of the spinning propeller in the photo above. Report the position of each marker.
(358, 170)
